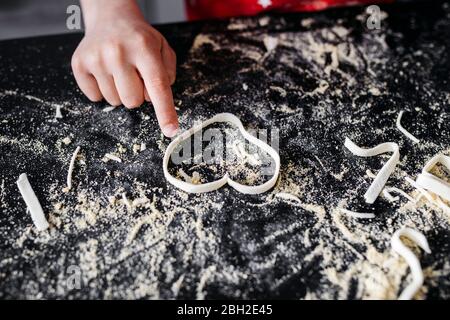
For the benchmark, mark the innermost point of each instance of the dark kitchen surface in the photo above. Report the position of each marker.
(317, 78)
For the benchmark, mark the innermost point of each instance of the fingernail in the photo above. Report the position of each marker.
(170, 130)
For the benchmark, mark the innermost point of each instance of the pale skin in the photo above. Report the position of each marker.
(125, 61)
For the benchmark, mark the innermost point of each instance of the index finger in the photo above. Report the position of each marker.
(157, 83)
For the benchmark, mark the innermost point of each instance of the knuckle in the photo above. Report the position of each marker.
(94, 60)
(144, 41)
(142, 38)
(114, 51)
(159, 82)
(147, 41)
(76, 63)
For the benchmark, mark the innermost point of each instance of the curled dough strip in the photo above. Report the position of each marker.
(36, 212)
(385, 172)
(414, 264)
(400, 192)
(430, 182)
(214, 185)
(403, 130)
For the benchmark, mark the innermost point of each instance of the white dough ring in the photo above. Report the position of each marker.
(214, 185)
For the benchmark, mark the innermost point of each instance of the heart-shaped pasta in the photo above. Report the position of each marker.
(214, 185)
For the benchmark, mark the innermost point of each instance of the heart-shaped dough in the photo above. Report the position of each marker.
(214, 185)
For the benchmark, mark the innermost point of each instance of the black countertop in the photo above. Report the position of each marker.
(326, 78)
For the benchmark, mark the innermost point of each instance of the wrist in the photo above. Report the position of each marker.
(104, 11)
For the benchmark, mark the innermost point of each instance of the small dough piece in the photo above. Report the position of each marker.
(403, 130)
(358, 215)
(33, 205)
(58, 114)
(112, 157)
(214, 185)
(71, 167)
(109, 109)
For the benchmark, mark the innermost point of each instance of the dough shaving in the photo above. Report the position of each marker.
(414, 264)
(403, 130)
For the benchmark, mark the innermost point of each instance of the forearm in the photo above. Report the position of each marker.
(101, 11)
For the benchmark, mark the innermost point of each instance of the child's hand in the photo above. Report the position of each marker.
(124, 60)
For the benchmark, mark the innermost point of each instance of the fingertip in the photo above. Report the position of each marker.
(170, 130)
(133, 103)
(96, 98)
(114, 103)
(131, 107)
